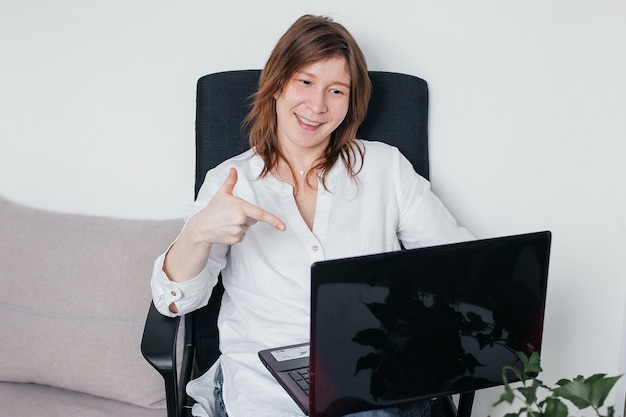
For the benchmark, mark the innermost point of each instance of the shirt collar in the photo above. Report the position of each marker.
(257, 165)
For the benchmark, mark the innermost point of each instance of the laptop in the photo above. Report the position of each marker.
(416, 324)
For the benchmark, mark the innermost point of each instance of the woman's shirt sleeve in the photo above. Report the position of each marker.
(423, 219)
(194, 293)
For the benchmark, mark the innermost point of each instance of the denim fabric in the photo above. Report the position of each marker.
(220, 409)
(416, 409)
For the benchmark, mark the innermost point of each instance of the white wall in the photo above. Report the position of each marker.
(621, 385)
(528, 131)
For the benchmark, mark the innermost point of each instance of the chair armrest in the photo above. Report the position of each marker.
(158, 346)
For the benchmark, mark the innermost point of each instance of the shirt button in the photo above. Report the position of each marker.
(315, 248)
(175, 294)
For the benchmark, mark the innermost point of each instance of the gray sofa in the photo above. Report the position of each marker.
(75, 293)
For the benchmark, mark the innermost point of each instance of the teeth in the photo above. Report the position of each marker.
(308, 122)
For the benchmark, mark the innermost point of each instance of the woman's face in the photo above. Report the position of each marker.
(312, 105)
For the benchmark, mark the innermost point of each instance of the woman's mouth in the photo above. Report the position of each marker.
(307, 122)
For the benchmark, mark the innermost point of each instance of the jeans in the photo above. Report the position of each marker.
(220, 409)
(415, 409)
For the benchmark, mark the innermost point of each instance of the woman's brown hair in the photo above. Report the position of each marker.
(308, 40)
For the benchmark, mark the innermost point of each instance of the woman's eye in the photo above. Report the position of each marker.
(305, 82)
(337, 92)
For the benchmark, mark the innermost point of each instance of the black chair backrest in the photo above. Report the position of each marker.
(397, 114)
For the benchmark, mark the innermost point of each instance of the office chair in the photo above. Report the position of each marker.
(397, 114)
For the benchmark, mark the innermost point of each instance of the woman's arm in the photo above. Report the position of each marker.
(224, 220)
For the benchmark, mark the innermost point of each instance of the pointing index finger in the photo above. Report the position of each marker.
(261, 215)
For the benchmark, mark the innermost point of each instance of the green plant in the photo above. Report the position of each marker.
(581, 392)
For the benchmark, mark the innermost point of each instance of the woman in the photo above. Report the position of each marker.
(306, 191)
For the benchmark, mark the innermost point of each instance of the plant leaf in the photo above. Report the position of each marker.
(600, 385)
(533, 364)
(369, 361)
(519, 376)
(507, 397)
(586, 392)
(580, 391)
(370, 337)
(522, 357)
(576, 391)
(611, 411)
(555, 408)
(530, 393)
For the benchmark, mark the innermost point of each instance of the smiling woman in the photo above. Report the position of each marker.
(308, 190)
(309, 48)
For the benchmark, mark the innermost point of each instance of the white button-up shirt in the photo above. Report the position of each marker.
(266, 276)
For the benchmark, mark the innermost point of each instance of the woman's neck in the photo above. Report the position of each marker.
(301, 174)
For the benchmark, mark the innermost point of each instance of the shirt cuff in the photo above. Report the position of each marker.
(187, 295)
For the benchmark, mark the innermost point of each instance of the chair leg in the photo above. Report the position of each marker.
(466, 400)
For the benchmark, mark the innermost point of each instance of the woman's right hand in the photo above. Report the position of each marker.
(224, 220)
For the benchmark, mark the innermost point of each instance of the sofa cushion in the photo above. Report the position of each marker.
(18, 400)
(76, 292)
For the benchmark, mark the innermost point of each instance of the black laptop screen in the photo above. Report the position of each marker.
(424, 322)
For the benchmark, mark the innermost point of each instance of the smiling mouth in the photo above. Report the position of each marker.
(308, 122)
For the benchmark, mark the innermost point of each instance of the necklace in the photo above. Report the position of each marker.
(301, 172)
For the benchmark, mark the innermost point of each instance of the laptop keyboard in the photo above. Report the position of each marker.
(301, 376)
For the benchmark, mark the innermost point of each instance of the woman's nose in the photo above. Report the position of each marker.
(317, 101)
